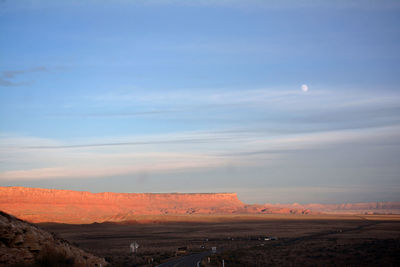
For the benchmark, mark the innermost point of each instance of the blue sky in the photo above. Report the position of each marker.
(203, 96)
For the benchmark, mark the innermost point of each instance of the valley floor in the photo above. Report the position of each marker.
(296, 241)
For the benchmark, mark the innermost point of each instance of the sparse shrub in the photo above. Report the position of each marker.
(49, 257)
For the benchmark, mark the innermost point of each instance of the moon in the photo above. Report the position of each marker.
(304, 88)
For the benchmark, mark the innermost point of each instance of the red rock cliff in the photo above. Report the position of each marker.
(65, 206)
(50, 205)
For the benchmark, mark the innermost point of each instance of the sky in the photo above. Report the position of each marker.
(279, 101)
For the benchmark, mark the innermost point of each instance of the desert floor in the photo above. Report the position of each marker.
(302, 240)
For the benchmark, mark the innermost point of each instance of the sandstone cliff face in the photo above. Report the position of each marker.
(23, 244)
(65, 206)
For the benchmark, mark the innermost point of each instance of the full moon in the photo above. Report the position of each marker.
(304, 88)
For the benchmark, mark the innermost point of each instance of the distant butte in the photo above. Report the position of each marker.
(66, 206)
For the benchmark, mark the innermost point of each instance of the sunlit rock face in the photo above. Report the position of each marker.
(24, 244)
(65, 206)
(50, 205)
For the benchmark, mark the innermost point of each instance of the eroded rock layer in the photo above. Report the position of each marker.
(65, 206)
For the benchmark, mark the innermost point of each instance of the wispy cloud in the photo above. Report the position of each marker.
(100, 115)
(154, 142)
(22, 158)
(115, 165)
(6, 83)
(12, 73)
(319, 109)
(284, 98)
(7, 76)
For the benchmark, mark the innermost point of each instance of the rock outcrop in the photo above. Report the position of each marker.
(24, 244)
(66, 206)
(356, 208)
(347, 208)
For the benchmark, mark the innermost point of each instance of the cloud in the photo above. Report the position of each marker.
(5, 83)
(102, 165)
(197, 96)
(11, 74)
(282, 109)
(278, 98)
(155, 142)
(111, 115)
(36, 158)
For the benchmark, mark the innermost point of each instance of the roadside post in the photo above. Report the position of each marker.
(134, 247)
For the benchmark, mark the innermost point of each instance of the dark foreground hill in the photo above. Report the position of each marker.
(24, 244)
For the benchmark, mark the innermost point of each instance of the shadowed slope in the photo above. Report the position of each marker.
(24, 244)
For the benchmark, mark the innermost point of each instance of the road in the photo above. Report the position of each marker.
(187, 261)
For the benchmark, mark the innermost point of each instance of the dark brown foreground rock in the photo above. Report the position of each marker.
(24, 244)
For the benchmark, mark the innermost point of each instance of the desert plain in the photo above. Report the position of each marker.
(297, 240)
